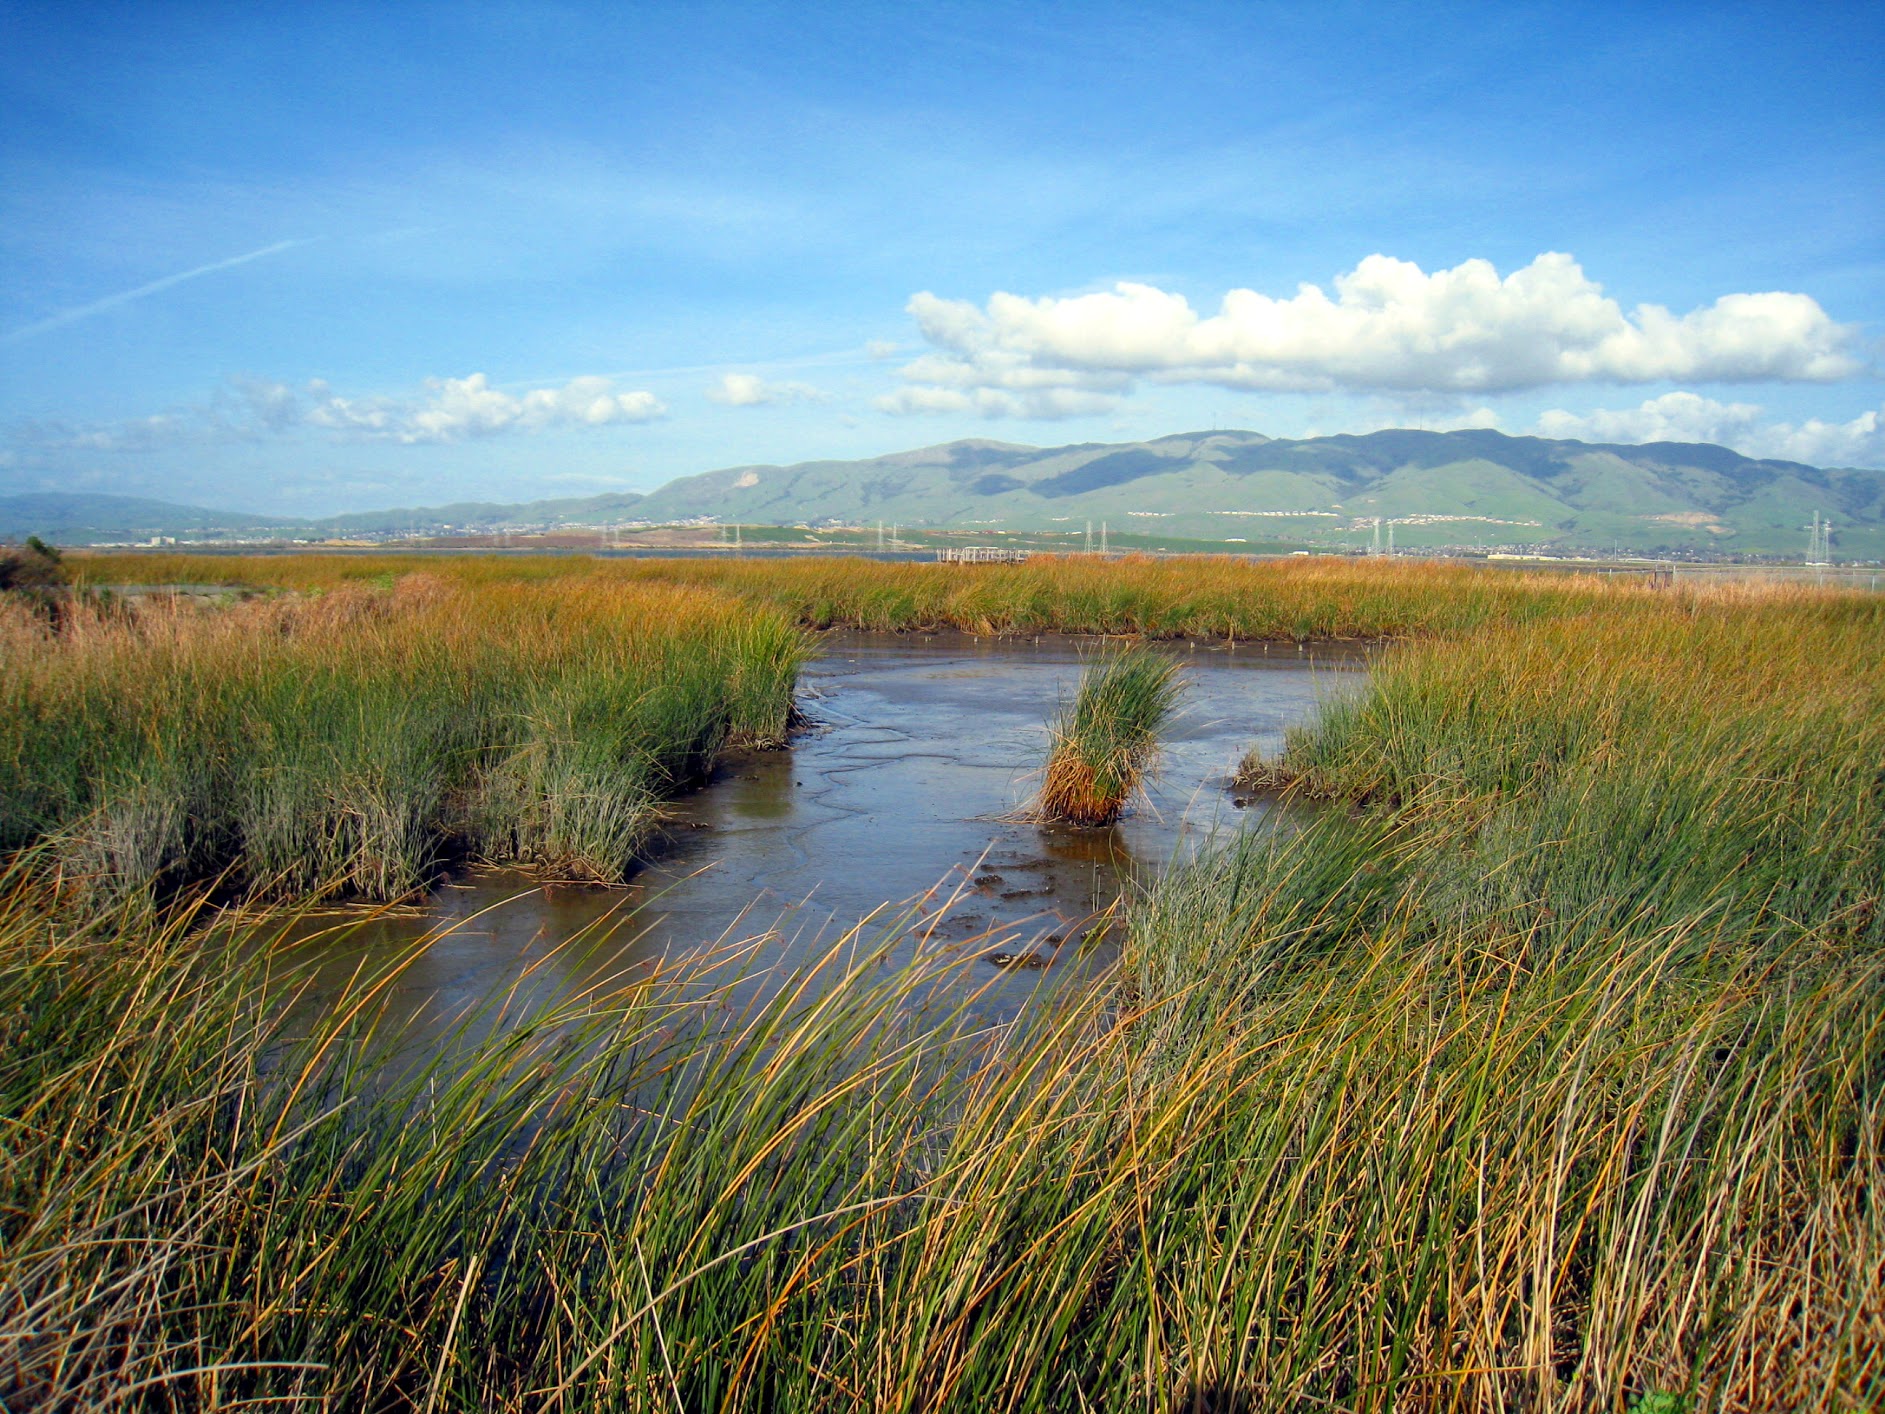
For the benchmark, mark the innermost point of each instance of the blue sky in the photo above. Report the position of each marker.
(324, 257)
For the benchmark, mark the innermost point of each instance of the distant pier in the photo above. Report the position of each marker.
(979, 555)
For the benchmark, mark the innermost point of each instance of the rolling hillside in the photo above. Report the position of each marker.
(1466, 490)
(1470, 488)
(81, 519)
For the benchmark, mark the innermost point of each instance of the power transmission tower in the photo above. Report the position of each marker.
(1819, 543)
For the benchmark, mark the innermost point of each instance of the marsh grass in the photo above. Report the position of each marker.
(1199, 597)
(1546, 1072)
(1105, 742)
(1317, 1147)
(1611, 772)
(348, 741)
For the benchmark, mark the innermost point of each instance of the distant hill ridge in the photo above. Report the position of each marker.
(1462, 488)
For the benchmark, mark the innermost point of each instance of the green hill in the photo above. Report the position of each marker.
(80, 519)
(1436, 490)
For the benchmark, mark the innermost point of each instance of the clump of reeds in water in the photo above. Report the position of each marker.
(1106, 741)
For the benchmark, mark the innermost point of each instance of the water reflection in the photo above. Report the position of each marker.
(907, 788)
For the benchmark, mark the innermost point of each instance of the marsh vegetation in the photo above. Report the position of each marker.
(1103, 744)
(1203, 598)
(351, 740)
(1546, 1072)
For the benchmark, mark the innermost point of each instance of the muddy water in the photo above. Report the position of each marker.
(902, 800)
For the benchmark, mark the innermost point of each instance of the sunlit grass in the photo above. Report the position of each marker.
(1316, 1146)
(1196, 597)
(1543, 1069)
(1104, 743)
(1720, 761)
(348, 741)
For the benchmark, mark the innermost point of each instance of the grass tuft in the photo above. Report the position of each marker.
(1103, 745)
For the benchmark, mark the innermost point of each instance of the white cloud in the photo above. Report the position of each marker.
(1390, 327)
(450, 409)
(369, 417)
(1689, 417)
(456, 408)
(745, 390)
(137, 434)
(1674, 417)
(1480, 417)
(258, 404)
(1044, 403)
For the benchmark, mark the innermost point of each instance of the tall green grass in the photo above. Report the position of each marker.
(1607, 774)
(1311, 1150)
(1103, 743)
(351, 740)
(1543, 1070)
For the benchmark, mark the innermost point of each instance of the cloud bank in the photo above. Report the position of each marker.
(1389, 327)
(447, 410)
(455, 408)
(1689, 417)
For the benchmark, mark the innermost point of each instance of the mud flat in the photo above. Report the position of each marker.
(903, 794)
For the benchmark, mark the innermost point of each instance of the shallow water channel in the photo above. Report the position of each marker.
(902, 799)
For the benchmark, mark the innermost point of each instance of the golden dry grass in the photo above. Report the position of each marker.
(1195, 597)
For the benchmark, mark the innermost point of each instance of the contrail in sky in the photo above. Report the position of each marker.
(99, 306)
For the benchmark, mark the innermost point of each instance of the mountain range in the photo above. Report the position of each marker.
(1462, 489)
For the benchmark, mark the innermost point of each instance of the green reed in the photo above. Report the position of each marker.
(1612, 773)
(1543, 1069)
(349, 741)
(1103, 743)
(1315, 1145)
